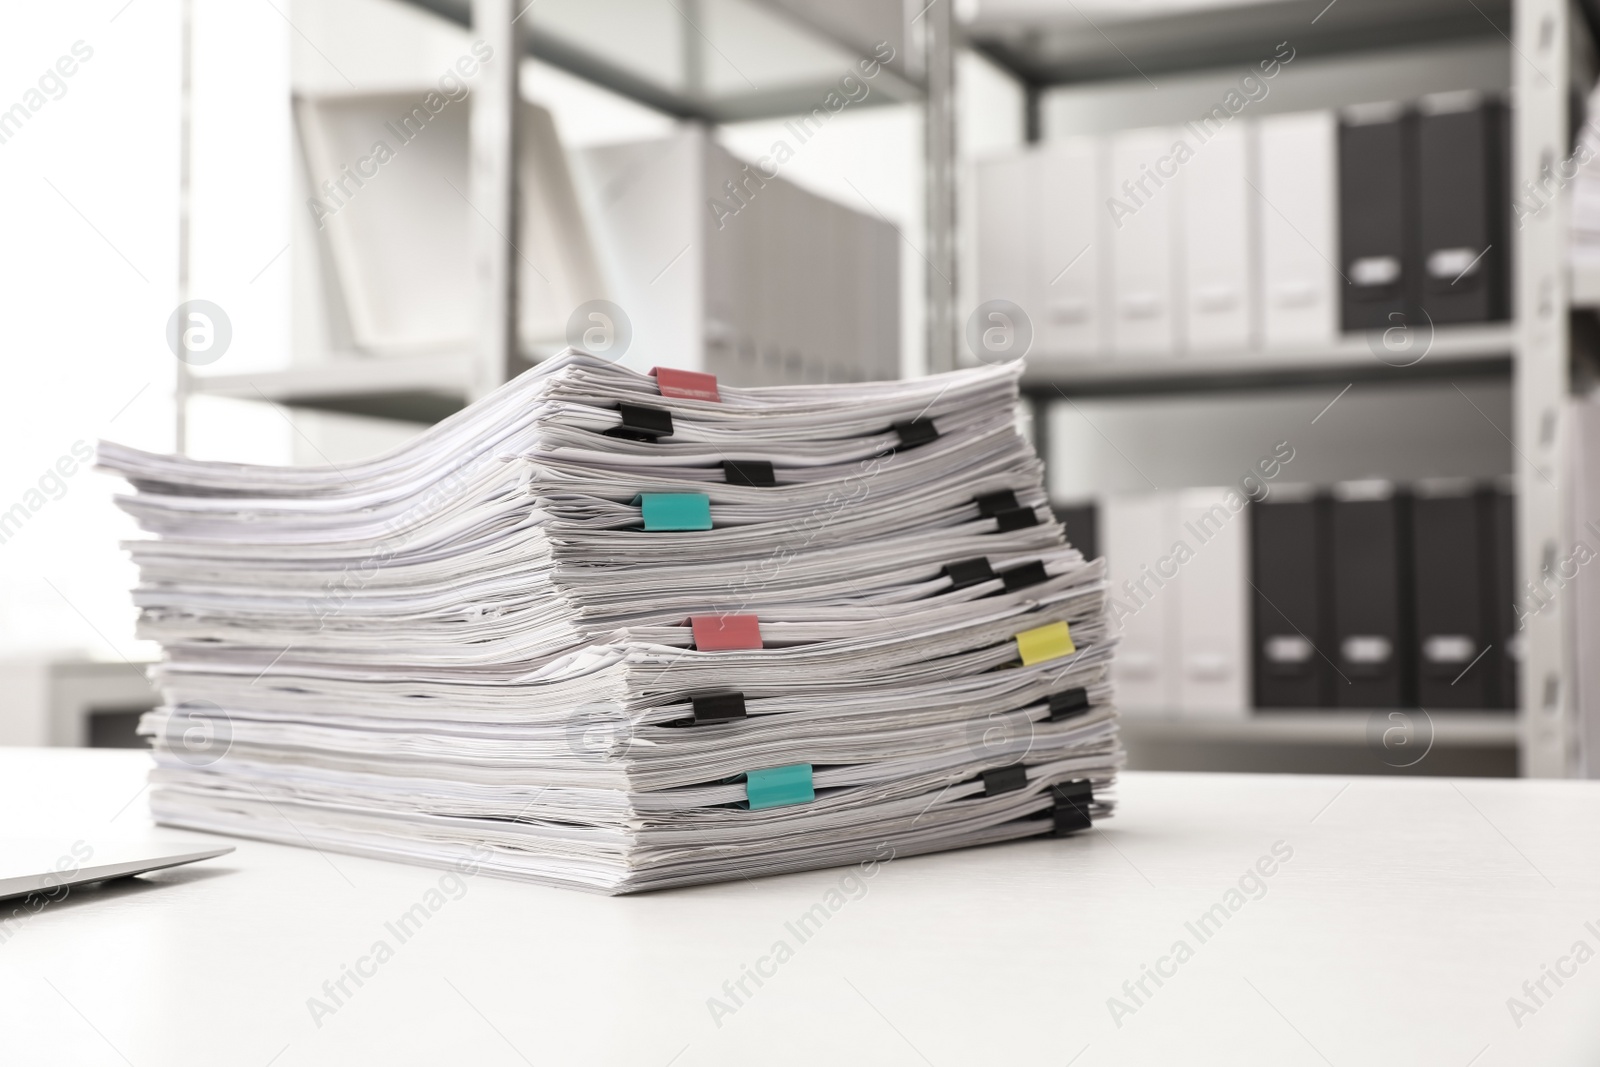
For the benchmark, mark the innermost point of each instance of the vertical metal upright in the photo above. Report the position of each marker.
(181, 384)
(1539, 77)
(939, 150)
(493, 190)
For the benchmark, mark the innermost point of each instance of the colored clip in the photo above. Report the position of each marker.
(722, 633)
(754, 472)
(1025, 575)
(718, 707)
(642, 423)
(1004, 780)
(1068, 704)
(968, 572)
(1015, 519)
(914, 432)
(686, 384)
(992, 504)
(675, 511)
(1071, 811)
(1042, 643)
(777, 786)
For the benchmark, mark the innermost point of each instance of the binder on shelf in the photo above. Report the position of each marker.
(1289, 565)
(1506, 657)
(1213, 638)
(1138, 533)
(1296, 227)
(1450, 586)
(1371, 602)
(1082, 531)
(1462, 232)
(1376, 144)
(1005, 231)
(1218, 294)
(1069, 250)
(1143, 315)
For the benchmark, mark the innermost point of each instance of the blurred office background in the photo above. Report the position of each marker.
(1340, 260)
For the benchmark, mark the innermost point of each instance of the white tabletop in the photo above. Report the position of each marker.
(1407, 914)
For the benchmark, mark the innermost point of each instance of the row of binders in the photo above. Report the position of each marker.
(1366, 595)
(628, 631)
(1232, 234)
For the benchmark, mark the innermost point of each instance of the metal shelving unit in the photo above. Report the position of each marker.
(1456, 352)
(1045, 44)
(815, 41)
(1048, 45)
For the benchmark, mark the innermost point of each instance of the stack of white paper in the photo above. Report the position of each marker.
(576, 626)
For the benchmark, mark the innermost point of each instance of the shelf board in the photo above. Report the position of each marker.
(1460, 729)
(769, 28)
(421, 389)
(1047, 43)
(1477, 350)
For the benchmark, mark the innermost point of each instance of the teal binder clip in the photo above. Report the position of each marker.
(777, 786)
(675, 511)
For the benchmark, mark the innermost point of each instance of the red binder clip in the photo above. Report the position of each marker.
(686, 384)
(723, 633)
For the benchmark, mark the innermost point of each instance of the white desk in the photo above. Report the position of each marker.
(1410, 911)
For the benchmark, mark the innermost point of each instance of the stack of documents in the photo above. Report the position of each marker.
(621, 631)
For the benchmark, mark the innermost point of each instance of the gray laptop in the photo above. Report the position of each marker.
(26, 870)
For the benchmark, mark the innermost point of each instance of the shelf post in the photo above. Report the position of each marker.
(1539, 77)
(181, 387)
(493, 189)
(939, 149)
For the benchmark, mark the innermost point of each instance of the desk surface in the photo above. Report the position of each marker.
(1398, 919)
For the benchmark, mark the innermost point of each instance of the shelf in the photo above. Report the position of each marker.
(1048, 43)
(409, 388)
(1477, 350)
(715, 61)
(1462, 729)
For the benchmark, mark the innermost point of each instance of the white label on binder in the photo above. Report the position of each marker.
(1448, 648)
(1366, 648)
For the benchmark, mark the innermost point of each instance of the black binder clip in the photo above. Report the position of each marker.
(642, 423)
(1015, 519)
(914, 432)
(1068, 704)
(992, 504)
(718, 707)
(1025, 575)
(968, 572)
(754, 472)
(1071, 811)
(1004, 780)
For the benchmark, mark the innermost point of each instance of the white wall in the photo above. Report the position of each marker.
(88, 279)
